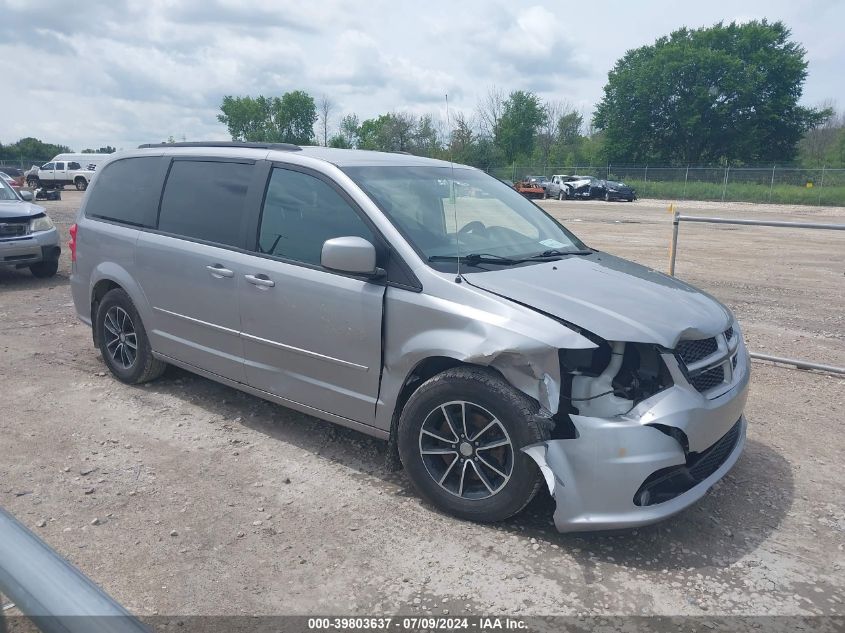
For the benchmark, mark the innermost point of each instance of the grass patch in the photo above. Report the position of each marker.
(740, 192)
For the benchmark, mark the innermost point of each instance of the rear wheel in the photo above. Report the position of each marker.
(32, 183)
(123, 340)
(606, 197)
(460, 436)
(560, 195)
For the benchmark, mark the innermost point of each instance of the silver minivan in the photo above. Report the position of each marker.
(421, 302)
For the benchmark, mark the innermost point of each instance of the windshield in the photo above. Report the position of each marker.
(428, 204)
(6, 192)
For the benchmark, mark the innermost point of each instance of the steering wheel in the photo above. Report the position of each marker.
(476, 226)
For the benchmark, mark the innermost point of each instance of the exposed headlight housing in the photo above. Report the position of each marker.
(42, 223)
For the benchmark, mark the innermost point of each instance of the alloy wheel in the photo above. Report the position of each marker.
(121, 339)
(466, 450)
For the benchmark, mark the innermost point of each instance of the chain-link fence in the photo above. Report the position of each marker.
(22, 163)
(780, 185)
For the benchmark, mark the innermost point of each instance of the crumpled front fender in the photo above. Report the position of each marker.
(594, 477)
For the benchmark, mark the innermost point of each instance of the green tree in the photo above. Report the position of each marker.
(31, 149)
(522, 114)
(294, 116)
(289, 119)
(723, 93)
(391, 132)
(108, 149)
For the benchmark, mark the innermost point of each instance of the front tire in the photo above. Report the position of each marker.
(44, 270)
(560, 195)
(123, 340)
(460, 436)
(81, 184)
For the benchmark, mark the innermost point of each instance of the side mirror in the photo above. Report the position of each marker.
(26, 195)
(350, 255)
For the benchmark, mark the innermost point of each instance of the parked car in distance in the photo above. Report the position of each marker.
(615, 190)
(15, 176)
(57, 174)
(558, 187)
(530, 187)
(11, 181)
(585, 187)
(492, 347)
(28, 238)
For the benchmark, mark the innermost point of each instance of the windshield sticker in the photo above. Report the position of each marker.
(552, 243)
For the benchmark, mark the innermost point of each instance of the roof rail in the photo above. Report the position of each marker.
(283, 147)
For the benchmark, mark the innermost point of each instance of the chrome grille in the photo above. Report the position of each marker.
(13, 229)
(708, 379)
(710, 362)
(693, 351)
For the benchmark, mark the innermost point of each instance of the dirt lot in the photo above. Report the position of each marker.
(209, 501)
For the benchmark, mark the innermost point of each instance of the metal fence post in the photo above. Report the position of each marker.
(686, 178)
(645, 179)
(725, 187)
(821, 184)
(676, 215)
(772, 185)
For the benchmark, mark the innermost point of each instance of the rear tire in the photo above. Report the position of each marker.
(44, 270)
(451, 468)
(606, 197)
(118, 329)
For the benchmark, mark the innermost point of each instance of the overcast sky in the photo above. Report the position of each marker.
(99, 72)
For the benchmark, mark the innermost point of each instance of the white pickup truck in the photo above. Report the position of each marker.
(58, 173)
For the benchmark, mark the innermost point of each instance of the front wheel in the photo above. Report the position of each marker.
(81, 184)
(32, 183)
(460, 436)
(560, 195)
(123, 340)
(44, 270)
(606, 197)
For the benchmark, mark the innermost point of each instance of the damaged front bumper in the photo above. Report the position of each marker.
(677, 442)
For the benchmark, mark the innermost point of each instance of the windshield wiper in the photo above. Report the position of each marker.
(476, 258)
(559, 253)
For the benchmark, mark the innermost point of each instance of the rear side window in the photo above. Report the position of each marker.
(127, 191)
(204, 200)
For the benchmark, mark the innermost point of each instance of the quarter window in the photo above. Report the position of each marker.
(127, 192)
(300, 213)
(204, 200)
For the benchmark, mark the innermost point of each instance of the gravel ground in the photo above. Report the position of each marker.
(186, 497)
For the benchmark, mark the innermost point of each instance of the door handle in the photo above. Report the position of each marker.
(218, 271)
(260, 280)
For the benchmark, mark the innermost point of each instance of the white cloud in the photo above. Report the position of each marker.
(122, 73)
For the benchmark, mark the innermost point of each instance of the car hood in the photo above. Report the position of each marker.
(611, 297)
(19, 209)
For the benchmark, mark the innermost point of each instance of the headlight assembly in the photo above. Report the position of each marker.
(42, 223)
